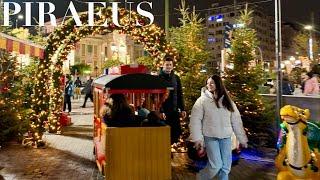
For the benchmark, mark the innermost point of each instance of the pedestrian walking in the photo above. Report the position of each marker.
(173, 107)
(214, 118)
(88, 91)
(68, 92)
(77, 91)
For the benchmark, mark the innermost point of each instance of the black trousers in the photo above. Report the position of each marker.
(67, 101)
(173, 120)
(86, 98)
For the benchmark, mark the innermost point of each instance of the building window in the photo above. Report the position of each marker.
(95, 50)
(211, 40)
(225, 23)
(219, 32)
(106, 51)
(83, 49)
(89, 49)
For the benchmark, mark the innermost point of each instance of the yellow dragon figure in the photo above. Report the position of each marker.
(295, 159)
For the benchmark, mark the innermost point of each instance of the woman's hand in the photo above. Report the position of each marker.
(198, 145)
(243, 145)
(163, 116)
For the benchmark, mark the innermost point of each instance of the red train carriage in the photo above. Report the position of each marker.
(135, 152)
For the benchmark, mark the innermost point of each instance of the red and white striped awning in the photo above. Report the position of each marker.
(13, 44)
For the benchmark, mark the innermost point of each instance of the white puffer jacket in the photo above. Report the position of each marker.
(209, 120)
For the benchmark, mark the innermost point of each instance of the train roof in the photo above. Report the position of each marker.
(132, 83)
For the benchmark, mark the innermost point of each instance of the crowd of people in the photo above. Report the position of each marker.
(309, 85)
(72, 90)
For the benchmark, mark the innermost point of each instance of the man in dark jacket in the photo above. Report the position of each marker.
(174, 104)
(88, 91)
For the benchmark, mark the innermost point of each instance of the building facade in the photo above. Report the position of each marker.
(217, 21)
(95, 50)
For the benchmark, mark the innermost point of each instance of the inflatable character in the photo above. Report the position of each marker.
(298, 157)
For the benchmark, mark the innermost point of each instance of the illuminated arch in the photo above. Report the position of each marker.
(64, 38)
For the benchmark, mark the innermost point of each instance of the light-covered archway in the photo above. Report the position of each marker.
(64, 39)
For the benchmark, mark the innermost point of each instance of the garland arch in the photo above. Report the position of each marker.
(64, 38)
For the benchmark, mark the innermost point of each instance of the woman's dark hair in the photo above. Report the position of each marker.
(120, 106)
(221, 91)
(310, 74)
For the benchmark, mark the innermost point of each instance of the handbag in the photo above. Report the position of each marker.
(195, 154)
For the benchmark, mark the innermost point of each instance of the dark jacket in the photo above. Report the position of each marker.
(175, 101)
(287, 88)
(88, 87)
(78, 83)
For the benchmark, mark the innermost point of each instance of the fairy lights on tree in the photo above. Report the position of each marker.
(10, 93)
(243, 79)
(188, 39)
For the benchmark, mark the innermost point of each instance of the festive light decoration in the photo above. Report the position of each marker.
(10, 93)
(64, 38)
(40, 102)
(189, 41)
(243, 80)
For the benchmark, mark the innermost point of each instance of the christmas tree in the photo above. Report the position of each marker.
(10, 98)
(243, 79)
(189, 41)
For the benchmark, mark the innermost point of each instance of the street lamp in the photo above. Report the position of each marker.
(17, 19)
(310, 28)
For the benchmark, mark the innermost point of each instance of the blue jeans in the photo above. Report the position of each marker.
(219, 158)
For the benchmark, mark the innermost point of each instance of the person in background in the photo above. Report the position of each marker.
(153, 119)
(311, 86)
(77, 91)
(214, 118)
(88, 91)
(142, 110)
(118, 112)
(287, 86)
(304, 78)
(174, 104)
(68, 92)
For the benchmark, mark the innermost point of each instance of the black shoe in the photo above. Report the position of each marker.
(83, 106)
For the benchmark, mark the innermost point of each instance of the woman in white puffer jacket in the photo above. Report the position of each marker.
(214, 118)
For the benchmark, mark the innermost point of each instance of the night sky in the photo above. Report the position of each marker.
(295, 11)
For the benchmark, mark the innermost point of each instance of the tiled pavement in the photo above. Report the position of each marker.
(69, 156)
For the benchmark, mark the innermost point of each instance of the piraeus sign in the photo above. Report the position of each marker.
(44, 9)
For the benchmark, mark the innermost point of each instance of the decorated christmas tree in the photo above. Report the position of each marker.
(189, 41)
(10, 97)
(244, 77)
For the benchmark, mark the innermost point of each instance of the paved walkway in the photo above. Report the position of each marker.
(70, 156)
